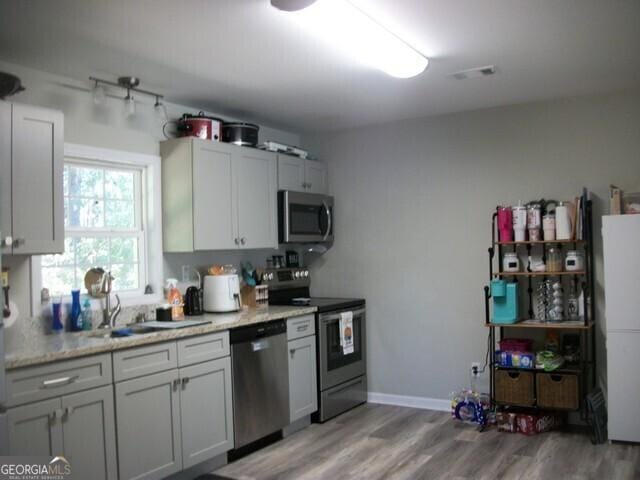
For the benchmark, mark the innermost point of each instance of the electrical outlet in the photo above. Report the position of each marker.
(475, 369)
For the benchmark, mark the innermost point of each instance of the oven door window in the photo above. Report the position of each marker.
(307, 219)
(335, 355)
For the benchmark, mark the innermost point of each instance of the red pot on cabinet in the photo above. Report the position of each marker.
(200, 126)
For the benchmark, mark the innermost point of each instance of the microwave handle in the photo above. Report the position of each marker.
(329, 220)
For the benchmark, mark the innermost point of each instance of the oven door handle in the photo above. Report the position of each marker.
(326, 318)
(327, 211)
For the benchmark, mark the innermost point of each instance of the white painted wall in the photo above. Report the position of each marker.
(413, 208)
(107, 127)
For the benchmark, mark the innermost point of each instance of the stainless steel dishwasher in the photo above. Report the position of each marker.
(260, 381)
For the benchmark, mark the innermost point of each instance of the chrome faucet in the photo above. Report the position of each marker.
(109, 315)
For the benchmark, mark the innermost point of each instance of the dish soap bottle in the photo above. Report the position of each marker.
(74, 315)
(87, 324)
(174, 298)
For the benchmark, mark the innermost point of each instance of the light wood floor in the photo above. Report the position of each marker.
(386, 442)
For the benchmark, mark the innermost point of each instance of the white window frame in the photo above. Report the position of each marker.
(150, 219)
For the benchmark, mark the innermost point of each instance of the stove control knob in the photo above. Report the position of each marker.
(306, 273)
(297, 274)
(271, 276)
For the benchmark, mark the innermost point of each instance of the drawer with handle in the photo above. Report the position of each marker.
(302, 326)
(203, 348)
(30, 384)
(141, 361)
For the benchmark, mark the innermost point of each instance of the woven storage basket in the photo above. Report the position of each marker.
(558, 391)
(515, 387)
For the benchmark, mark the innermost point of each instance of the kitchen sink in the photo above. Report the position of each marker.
(108, 332)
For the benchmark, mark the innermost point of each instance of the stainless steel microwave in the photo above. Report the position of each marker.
(304, 217)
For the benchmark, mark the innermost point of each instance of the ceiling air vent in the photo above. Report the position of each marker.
(477, 72)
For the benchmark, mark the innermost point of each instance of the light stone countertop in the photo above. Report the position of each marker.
(23, 351)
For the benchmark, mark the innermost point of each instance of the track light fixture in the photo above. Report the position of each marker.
(130, 84)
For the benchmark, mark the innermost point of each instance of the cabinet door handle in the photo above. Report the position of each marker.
(185, 380)
(57, 413)
(176, 382)
(302, 328)
(68, 411)
(58, 382)
(18, 241)
(292, 352)
(309, 185)
(236, 241)
(243, 240)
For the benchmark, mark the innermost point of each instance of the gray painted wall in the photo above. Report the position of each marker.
(413, 207)
(107, 127)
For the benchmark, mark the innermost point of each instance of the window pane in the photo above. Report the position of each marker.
(124, 249)
(119, 185)
(84, 213)
(126, 276)
(107, 200)
(59, 280)
(85, 181)
(92, 252)
(120, 214)
(62, 259)
(65, 180)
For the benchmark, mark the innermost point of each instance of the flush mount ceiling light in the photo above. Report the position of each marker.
(344, 24)
(477, 72)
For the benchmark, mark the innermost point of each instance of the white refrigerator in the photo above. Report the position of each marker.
(621, 248)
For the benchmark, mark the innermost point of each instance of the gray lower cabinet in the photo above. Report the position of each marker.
(173, 420)
(148, 426)
(303, 389)
(36, 428)
(79, 426)
(89, 433)
(206, 410)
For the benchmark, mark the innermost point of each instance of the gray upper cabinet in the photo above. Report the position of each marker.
(316, 176)
(214, 208)
(89, 434)
(291, 173)
(300, 175)
(148, 426)
(5, 177)
(303, 390)
(257, 198)
(33, 159)
(217, 196)
(206, 410)
(36, 429)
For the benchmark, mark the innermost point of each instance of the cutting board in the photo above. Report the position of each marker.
(173, 325)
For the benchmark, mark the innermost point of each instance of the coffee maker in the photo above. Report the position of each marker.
(505, 301)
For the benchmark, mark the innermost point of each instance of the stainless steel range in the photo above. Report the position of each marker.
(342, 372)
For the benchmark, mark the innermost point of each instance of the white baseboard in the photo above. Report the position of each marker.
(407, 401)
